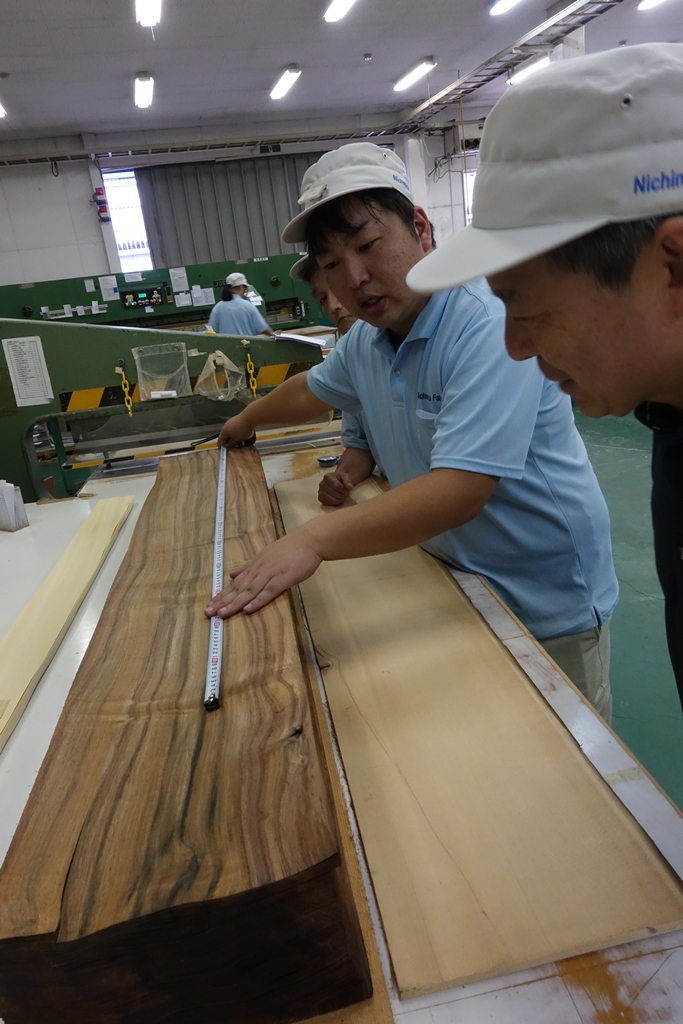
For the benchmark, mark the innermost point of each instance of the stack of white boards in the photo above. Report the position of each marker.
(12, 509)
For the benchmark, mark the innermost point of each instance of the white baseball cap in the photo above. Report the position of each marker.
(585, 142)
(235, 280)
(352, 168)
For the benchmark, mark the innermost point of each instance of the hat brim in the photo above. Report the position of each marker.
(295, 231)
(480, 252)
(296, 268)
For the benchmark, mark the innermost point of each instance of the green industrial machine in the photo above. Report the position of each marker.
(159, 298)
(88, 414)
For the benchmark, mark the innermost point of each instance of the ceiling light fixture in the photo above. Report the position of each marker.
(285, 82)
(528, 69)
(645, 5)
(3, 112)
(148, 12)
(503, 6)
(422, 69)
(337, 9)
(144, 89)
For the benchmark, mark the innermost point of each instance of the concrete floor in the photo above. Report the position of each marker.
(647, 711)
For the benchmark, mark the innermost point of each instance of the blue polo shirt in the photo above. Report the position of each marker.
(238, 316)
(451, 398)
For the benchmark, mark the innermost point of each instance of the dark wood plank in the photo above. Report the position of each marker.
(169, 858)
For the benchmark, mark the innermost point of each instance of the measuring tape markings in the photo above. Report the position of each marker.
(215, 659)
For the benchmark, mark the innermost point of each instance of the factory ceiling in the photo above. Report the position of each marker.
(70, 64)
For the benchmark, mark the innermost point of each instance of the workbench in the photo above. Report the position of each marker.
(637, 982)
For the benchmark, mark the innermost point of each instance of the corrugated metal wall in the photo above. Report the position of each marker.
(204, 212)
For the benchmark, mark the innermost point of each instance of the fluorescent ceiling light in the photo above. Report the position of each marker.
(337, 9)
(285, 82)
(528, 69)
(415, 75)
(645, 5)
(3, 112)
(144, 90)
(503, 6)
(148, 12)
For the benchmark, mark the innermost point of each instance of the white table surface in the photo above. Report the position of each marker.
(637, 983)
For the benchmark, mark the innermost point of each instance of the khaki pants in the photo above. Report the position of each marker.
(584, 657)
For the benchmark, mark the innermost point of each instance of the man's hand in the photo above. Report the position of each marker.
(356, 464)
(334, 488)
(277, 568)
(235, 431)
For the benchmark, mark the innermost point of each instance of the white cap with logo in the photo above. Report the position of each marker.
(583, 143)
(235, 280)
(351, 168)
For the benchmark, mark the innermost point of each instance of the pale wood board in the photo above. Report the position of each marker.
(32, 640)
(376, 1009)
(492, 842)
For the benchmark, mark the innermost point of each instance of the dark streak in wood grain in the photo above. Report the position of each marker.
(160, 842)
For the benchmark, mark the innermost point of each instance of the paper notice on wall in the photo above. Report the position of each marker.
(28, 371)
(95, 306)
(134, 275)
(109, 288)
(203, 296)
(89, 284)
(183, 299)
(179, 279)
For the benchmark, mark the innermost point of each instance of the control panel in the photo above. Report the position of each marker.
(153, 295)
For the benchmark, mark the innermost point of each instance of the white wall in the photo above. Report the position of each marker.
(48, 227)
(445, 200)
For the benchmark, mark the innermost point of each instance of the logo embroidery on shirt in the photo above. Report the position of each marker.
(424, 397)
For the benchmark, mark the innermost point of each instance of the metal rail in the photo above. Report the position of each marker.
(540, 39)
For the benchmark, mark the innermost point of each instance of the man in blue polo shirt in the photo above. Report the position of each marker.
(486, 467)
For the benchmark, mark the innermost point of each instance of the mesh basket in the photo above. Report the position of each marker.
(162, 368)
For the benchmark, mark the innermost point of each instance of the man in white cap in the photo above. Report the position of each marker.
(357, 461)
(578, 226)
(235, 314)
(487, 469)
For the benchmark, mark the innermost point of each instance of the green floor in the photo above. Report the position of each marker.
(647, 711)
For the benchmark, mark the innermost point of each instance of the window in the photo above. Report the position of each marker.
(467, 192)
(126, 218)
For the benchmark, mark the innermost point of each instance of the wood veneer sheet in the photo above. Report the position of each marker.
(492, 843)
(173, 864)
(32, 640)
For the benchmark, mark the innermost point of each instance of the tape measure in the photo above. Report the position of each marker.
(213, 667)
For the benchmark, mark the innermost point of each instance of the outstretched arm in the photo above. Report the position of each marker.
(417, 510)
(291, 403)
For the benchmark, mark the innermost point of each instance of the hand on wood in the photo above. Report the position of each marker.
(235, 431)
(277, 568)
(334, 488)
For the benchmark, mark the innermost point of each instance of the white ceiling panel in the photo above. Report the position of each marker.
(71, 63)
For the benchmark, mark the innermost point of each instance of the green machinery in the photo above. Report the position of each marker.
(152, 298)
(88, 405)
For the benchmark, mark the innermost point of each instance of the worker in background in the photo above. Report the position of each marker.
(487, 469)
(357, 461)
(236, 315)
(578, 225)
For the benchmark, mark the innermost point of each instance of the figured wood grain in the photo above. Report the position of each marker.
(168, 857)
(492, 843)
(32, 640)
